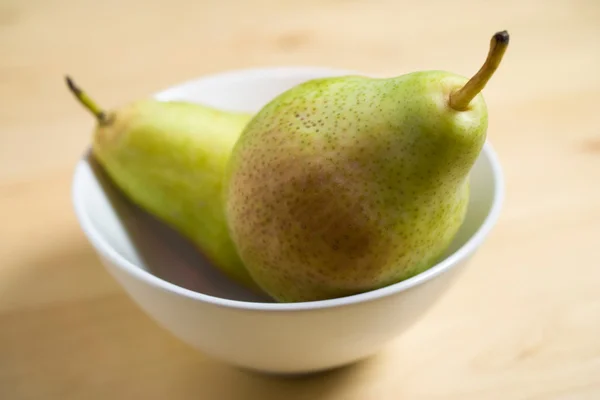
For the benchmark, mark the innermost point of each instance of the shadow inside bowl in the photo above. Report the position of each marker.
(153, 246)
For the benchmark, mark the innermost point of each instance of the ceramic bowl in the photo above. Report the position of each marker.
(169, 279)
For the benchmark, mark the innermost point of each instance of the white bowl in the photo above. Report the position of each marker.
(171, 282)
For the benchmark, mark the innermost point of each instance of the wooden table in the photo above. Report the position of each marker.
(522, 323)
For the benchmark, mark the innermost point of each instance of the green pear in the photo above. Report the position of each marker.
(169, 158)
(342, 185)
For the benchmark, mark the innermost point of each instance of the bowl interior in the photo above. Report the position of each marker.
(116, 225)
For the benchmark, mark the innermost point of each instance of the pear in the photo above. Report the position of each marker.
(169, 158)
(343, 185)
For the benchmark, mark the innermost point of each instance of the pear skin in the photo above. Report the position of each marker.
(347, 184)
(169, 159)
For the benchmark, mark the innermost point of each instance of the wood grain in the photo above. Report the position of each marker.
(522, 323)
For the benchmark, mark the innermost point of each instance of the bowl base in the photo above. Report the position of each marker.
(307, 373)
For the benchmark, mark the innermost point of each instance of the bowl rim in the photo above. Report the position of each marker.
(462, 253)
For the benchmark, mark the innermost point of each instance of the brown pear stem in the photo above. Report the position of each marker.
(88, 103)
(460, 99)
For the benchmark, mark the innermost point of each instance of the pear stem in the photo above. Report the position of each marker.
(460, 99)
(87, 102)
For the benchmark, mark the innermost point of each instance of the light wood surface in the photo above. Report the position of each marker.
(522, 323)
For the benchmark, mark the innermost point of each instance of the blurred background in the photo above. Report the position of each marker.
(122, 50)
(66, 329)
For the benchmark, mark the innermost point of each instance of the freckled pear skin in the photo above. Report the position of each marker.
(347, 184)
(169, 158)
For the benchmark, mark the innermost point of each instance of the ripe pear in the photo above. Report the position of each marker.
(345, 184)
(169, 159)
